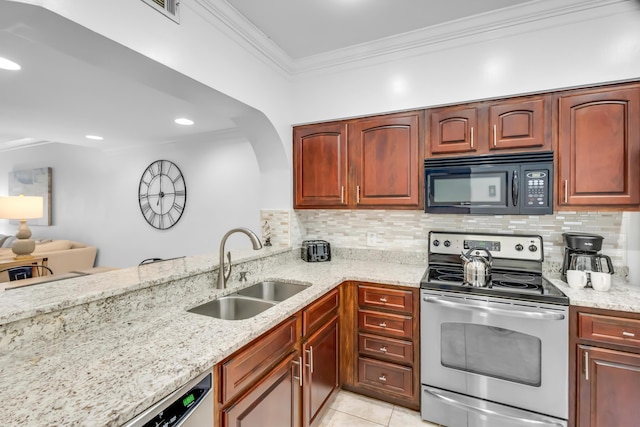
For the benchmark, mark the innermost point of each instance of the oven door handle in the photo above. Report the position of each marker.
(449, 398)
(538, 315)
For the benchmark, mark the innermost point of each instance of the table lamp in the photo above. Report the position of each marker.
(22, 208)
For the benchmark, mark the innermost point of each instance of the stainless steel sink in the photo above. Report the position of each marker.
(233, 307)
(272, 291)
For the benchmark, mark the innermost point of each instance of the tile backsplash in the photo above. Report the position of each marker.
(408, 231)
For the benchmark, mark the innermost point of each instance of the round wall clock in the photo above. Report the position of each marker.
(162, 194)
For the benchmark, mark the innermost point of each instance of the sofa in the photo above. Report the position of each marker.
(63, 256)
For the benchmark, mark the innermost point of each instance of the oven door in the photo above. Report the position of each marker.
(506, 351)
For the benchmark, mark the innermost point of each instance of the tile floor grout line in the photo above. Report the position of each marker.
(357, 416)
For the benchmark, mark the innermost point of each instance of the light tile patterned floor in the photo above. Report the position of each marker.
(353, 410)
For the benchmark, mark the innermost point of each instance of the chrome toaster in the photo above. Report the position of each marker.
(315, 251)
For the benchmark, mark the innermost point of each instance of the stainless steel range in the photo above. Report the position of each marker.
(493, 355)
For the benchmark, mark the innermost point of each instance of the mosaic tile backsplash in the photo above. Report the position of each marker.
(408, 231)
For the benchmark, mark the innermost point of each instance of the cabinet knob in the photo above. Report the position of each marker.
(382, 378)
(383, 324)
(383, 349)
(383, 299)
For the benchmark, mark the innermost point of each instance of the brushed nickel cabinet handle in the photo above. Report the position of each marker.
(342, 194)
(299, 363)
(383, 324)
(628, 334)
(383, 349)
(382, 378)
(471, 136)
(586, 365)
(566, 191)
(357, 194)
(383, 299)
(495, 131)
(310, 364)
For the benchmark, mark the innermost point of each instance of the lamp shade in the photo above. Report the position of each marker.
(21, 207)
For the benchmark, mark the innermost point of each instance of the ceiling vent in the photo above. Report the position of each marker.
(168, 8)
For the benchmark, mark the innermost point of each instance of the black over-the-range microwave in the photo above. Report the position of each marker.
(515, 184)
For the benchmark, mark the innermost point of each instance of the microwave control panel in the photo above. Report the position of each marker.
(536, 188)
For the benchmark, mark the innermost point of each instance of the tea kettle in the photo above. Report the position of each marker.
(477, 269)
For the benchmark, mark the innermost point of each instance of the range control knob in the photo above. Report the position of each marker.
(519, 247)
(436, 242)
(447, 243)
(533, 248)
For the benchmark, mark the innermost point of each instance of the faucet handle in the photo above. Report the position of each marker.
(243, 276)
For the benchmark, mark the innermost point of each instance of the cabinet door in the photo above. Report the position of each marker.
(519, 124)
(599, 147)
(386, 161)
(453, 130)
(320, 165)
(321, 353)
(608, 388)
(274, 401)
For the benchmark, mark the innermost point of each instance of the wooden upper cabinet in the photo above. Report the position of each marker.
(520, 124)
(599, 147)
(361, 163)
(453, 130)
(320, 165)
(385, 161)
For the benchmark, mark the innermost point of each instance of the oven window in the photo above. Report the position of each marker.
(494, 352)
(474, 189)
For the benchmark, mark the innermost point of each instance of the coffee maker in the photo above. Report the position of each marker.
(581, 253)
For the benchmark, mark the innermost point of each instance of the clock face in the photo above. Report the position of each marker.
(162, 194)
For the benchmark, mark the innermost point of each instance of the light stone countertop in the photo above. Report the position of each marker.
(110, 372)
(621, 296)
(106, 372)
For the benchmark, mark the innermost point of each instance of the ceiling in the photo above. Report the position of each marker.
(310, 27)
(67, 90)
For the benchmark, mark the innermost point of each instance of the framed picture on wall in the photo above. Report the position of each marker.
(33, 182)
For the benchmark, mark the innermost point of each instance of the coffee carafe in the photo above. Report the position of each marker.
(581, 253)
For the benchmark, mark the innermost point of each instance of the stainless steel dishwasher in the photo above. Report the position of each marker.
(189, 406)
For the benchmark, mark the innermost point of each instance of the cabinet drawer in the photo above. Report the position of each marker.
(315, 315)
(397, 351)
(385, 376)
(250, 363)
(385, 323)
(611, 329)
(392, 299)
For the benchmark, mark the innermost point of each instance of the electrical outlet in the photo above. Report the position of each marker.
(371, 238)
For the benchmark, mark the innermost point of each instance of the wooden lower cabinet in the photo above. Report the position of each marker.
(321, 380)
(286, 377)
(380, 342)
(609, 388)
(604, 368)
(273, 402)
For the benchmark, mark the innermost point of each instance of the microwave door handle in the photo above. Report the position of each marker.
(538, 315)
(464, 403)
(514, 187)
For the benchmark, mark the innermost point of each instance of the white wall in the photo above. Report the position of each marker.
(95, 201)
(597, 45)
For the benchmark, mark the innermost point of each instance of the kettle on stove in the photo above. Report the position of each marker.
(477, 269)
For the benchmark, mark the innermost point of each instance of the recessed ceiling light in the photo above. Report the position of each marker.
(183, 121)
(5, 64)
(94, 137)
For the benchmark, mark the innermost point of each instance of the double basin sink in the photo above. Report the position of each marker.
(250, 301)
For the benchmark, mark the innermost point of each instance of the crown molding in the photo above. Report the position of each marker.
(530, 16)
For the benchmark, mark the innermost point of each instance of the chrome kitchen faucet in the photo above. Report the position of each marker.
(255, 241)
